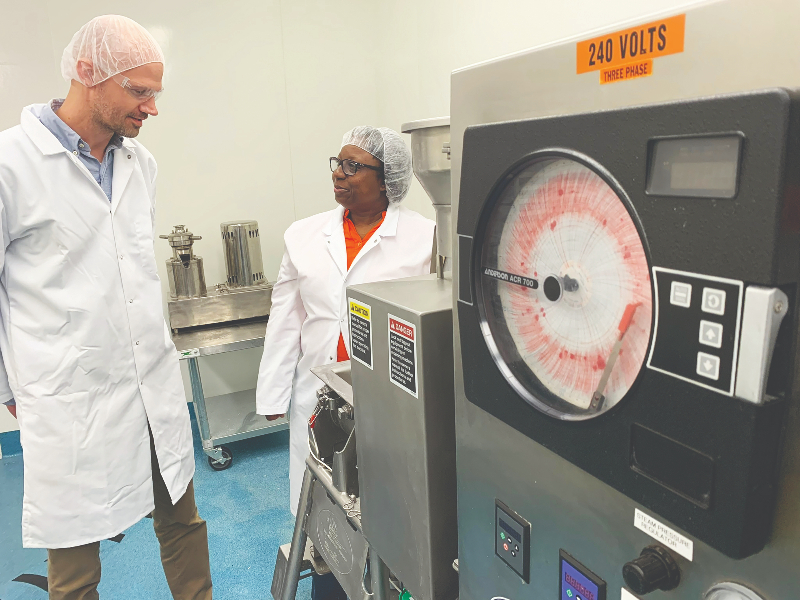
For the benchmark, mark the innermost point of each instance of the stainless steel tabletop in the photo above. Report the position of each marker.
(216, 340)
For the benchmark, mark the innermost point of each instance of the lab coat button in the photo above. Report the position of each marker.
(130, 301)
(137, 343)
(129, 155)
(75, 152)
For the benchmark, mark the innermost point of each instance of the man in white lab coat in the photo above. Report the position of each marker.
(86, 354)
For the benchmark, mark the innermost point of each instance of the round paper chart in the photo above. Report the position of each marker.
(566, 289)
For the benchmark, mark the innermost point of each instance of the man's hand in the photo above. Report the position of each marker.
(12, 408)
(269, 417)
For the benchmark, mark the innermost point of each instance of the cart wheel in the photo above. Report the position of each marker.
(225, 462)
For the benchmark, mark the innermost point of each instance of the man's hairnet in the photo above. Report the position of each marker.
(388, 147)
(112, 44)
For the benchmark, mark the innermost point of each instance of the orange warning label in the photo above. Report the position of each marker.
(629, 71)
(648, 41)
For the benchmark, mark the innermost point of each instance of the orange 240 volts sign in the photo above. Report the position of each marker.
(629, 53)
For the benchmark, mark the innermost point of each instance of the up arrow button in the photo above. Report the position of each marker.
(710, 334)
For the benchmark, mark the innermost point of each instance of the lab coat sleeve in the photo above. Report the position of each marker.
(282, 343)
(6, 396)
(153, 168)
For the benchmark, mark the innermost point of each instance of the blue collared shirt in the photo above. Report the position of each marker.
(103, 172)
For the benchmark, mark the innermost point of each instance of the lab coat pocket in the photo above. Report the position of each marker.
(59, 426)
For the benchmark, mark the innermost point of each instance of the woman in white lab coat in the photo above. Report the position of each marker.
(368, 237)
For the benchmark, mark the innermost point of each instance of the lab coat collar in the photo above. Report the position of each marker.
(48, 145)
(387, 229)
(334, 231)
(40, 135)
(45, 141)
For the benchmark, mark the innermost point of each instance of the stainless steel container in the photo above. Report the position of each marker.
(184, 269)
(430, 151)
(242, 247)
(406, 433)
(406, 442)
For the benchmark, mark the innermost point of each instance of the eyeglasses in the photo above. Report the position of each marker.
(350, 167)
(138, 91)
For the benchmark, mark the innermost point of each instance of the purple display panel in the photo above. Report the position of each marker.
(577, 582)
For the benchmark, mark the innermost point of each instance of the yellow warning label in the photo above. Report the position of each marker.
(631, 71)
(359, 309)
(648, 41)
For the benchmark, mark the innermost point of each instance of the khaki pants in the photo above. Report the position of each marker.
(74, 573)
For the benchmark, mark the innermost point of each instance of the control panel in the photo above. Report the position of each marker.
(512, 540)
(578, 582)
(696, 336)
(629, 324)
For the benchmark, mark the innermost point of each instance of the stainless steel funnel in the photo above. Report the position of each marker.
(430, 153)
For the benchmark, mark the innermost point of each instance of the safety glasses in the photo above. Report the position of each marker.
(138, 91)
(350, 167)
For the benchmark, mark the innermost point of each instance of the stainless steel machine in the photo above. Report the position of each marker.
(243, 262)
(378, 502)
(626, 323)
(184, 270)
(231, 317)
(401, 360)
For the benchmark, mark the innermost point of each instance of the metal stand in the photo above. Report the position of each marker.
(292, 574)
(288, 571)
(229, 417)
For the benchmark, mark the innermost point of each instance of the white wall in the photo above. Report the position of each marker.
(259, 93)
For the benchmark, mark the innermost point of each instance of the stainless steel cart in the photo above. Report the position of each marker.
(228, 417)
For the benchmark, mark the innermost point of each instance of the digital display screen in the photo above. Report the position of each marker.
(700, 167)
(510, 531)
(577, 582)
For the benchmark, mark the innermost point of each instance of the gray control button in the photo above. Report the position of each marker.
(680, 294)
(711, 334)
(713, 301)
(708, 365)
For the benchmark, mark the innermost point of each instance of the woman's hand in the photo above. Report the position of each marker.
(269, 417)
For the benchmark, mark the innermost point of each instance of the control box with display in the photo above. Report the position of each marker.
(577, 582)
(512, 540)
(623, 278)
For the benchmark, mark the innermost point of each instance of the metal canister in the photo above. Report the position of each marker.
(242, 247)
(184, 269)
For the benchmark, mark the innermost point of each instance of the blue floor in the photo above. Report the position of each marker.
(248, 519)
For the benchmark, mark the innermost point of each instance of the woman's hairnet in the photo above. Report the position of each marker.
(388, 147)
(112, 44)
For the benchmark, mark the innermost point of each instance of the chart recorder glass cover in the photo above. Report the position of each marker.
(564, 290)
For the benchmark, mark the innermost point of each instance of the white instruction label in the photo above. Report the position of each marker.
(361, 333)
(403, 354)
(669, 537)
(626, 595)
(191, 353)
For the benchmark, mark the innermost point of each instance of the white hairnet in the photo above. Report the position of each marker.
(112, 44)
(388, 147)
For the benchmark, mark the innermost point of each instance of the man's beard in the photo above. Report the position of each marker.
(114, 120)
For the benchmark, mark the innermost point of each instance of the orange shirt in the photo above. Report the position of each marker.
(353, 243)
